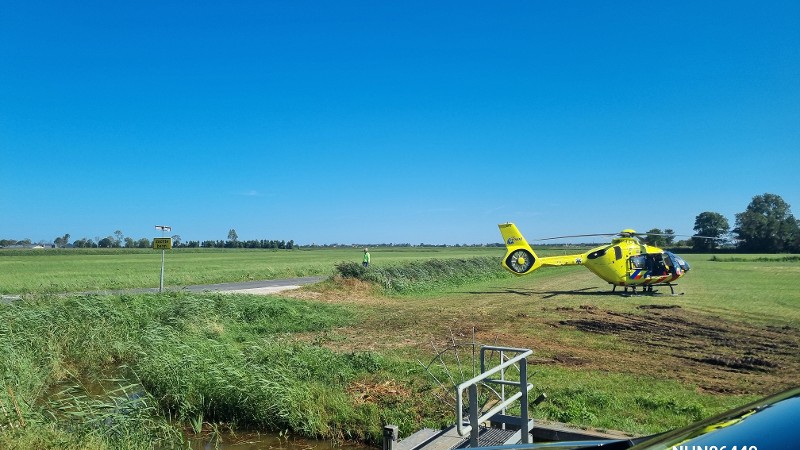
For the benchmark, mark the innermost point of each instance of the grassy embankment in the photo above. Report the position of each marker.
(343, 360)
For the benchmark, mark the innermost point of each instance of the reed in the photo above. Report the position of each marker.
(189, 358)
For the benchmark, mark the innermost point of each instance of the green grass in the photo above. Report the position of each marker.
(606, 401)
(756, 258)
(343, 366)
(651, 391)
(79, 270)
(748, 290)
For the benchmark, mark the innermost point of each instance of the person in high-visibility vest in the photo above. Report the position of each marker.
(366, 257)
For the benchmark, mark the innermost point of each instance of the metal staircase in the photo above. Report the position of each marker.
(480, 425)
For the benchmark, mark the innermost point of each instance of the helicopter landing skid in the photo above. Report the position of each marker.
(646, 290)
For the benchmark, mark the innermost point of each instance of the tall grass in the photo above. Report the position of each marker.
(220, 358)
(424, 276)
(754, 258)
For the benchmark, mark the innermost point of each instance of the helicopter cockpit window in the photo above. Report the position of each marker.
(637, 262)
(656, 265)
(678, 261)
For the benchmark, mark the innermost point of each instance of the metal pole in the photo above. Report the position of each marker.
(389, 436)
(473, 416)
(503, 386)
(523, 403)
(161, 285)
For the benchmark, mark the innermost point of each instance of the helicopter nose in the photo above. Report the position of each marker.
(680, 262)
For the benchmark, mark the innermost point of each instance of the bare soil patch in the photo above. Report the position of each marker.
(654, 340)
(720, 356)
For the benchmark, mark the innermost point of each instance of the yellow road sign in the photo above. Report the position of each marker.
(162, 243)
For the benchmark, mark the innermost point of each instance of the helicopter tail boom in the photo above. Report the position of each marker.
(520, 259)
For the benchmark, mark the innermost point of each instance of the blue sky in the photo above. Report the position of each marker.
(404, 122)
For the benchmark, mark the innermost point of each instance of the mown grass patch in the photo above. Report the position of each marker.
(605, 400)
(642, 373)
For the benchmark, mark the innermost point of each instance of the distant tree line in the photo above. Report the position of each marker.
(262, 243)
(119, 240)
(765, 226)
(403, 245)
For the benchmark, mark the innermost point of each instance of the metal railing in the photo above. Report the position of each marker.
(471, 386)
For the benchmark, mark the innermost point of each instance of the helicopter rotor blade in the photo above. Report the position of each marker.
(574, 236)
(707, 237)
(677, 235)
(625, 234)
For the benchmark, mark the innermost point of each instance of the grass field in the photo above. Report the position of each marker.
(77, 270)
(340, 358)
(732, 335)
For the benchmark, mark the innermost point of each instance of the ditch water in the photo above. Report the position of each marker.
(260, 441)
(115, 395)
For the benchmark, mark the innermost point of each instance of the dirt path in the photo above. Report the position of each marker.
(260, 287)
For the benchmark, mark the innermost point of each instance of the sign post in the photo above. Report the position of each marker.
(162, 243)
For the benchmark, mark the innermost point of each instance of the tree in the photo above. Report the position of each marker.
(654, 237)
(118, 241)
(669, 239)
(62, 241)
(233, 239)
(710, 224)
(129, 242)
(767, 225)
(83, 243)
(106, 242)
(176, 240)
(143, 243)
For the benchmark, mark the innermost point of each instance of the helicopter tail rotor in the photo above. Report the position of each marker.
(520, 258)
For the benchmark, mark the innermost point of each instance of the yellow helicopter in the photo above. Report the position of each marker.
(625, 262)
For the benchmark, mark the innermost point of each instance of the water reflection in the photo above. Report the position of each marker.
(229, 440)
(117, 397)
